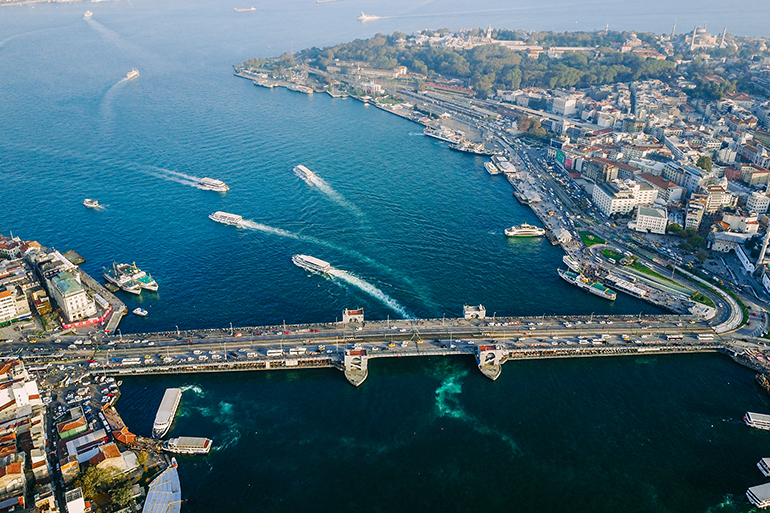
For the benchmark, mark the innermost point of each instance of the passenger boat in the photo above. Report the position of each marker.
(144, 280)
(225, 218)
(491, 168)
(166, 412)
(132, 74)
(119, 279)
(140, 312)
(596, 288)
(89, 203)
(757, 420)
(88, 14)
(311, 263)
(303, 172)
(210, 184)
(525, 230)
(251, 9)
(442, 133)
(188, 445)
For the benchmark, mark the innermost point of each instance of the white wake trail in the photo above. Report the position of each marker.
(371, 290)
(313, 180)
(278, 231)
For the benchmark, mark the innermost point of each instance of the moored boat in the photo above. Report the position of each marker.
(594, 287)
(188, 445)
(166, 412)
(525, 230)
(140, 312)
(491, 168)
(126, 283)
(144, 280)
(91, 203)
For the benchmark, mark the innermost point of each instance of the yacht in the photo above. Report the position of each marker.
(88, 202)
(225, 218)
(88, 14)
(311, 263)
(525, 230)
(140, 312)
(209, 184)
(132, 74)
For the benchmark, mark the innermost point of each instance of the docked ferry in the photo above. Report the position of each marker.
(166, 412)
(119, 279)
(525, 230)
(209, 184)
(491, 168)
(442, 133)
(311, 263)
(144, 280)
(225, 218)
(594, 287)
(188, 445)
(573, 264)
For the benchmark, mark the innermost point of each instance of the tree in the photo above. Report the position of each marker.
(702, 256)
(705, 163)
(122, 495)
(95, 479)
(142, 458)
(675, 229)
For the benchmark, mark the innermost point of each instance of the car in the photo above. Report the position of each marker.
(238, 335)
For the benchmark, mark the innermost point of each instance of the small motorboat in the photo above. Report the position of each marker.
(141, 312)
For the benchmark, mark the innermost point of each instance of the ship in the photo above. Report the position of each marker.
(442, 133)
(300, 88)
(757, 420)
(763, 382)
(119, 279)
(368, 17)
(225, 218)
(132, 74)
(250, 9)
(188, 445)
(141, 312)
(209, 184)
(594, 287)
(469, 147)
(573, 264)
(166, 412)
(88, 202)
(88, 14)
(304, 172)
(525, 230)
(142, 278)
(491, 168)
(263, 83)
(311, 263)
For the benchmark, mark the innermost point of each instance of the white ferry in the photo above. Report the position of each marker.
(209, 184)
(225, 218)
(140, 312)
(89, 203)
(188, 445)
(759, 495)
(525, 230)
(573, 264)
(126, 283)
(442, 133)
(303, 172)
(88, 14)
(764, 466)
(491, 168)
(368, 17)
(757, 420)
(311, 263)
(132, 74)
(166, 412)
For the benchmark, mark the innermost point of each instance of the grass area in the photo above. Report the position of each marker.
(705, 300)
(608, 253)
(740, 303)
(650, 272)
(589, 239)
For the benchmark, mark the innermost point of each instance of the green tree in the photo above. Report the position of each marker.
(675, 229)
(705, 163)
(702, 256)
(122, 496)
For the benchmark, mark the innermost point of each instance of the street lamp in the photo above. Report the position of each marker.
(121, 335)
(231, 329)
(177, 330)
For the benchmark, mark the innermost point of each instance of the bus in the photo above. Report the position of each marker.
(275, 352)
(673, 338)
(705, 336)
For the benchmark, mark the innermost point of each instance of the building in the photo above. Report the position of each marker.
(7, 306)
(474, 312)
(753, 175)
(71, 297)
(621, 197)
(696, 207)
(757, 202)
(717, 197)
(667, 191)
(651, 220)
(353, 315)
(724, 242)
(564, 106)
(74, 500)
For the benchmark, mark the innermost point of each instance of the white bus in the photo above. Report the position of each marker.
(705, 336)
(275, 352)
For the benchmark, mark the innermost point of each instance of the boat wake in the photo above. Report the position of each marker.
(313, 180)
(198, 391)
(448, 405)
(370, 289)
(174, 176)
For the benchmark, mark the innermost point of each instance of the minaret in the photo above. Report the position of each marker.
(673, 31)
(724, 33)
(764, 248)
(692, 43)
(489, 33)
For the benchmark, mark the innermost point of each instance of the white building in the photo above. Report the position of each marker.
(621, 197)
(651, 220)
(7, 306)
(71, 297)
(758, 202)
(564, 106)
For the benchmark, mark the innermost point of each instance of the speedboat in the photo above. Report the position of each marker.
(140, 312)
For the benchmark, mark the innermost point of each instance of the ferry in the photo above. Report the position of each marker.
(166, 412)
(764, 466)
(491, 168)
(573, 264)
(300, 88)
(140, 312)
(188, 445)
(209, 184)
(251, 9)
(119, 279)
(525, 230)
(225, 218)
(144, 280)
(442, 133)
(311, 263)
(132, 74)
(263, 83)
(757, 420)
(89, 203)
(759, 495)
(88, 14)
(594, 287)
(469, 147)
(303, 172)
(368, 17)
